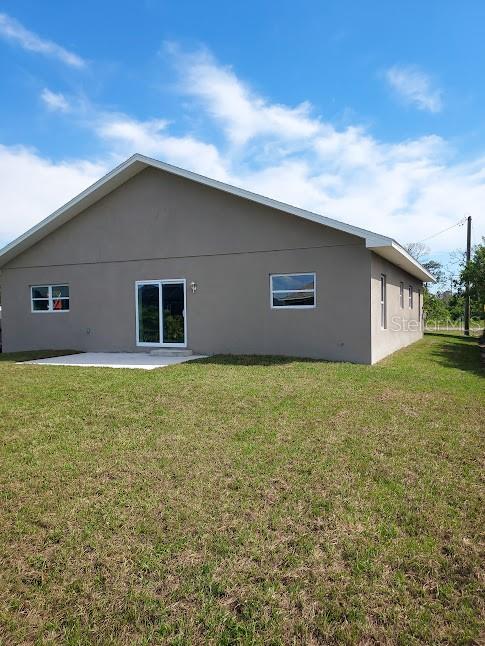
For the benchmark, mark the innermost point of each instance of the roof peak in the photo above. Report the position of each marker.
(138, 162)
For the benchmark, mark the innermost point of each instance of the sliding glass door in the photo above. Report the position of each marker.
(148, 313)
(173, 318)
(160, 313)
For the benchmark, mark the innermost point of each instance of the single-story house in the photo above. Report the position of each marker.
(153, 256)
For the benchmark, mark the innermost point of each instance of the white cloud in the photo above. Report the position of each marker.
(409, 189)
(401, 189)
(11, 29)
(31, 187)
(415, 87)
(127, 136)
(243, 114)
(55, 101)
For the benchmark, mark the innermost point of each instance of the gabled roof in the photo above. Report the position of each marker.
(381, 245)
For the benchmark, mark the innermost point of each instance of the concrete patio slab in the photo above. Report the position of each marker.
(140, 360)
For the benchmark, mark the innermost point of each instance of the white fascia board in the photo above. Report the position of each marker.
(396, 254)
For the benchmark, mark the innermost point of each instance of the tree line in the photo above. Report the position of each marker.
(446, 303)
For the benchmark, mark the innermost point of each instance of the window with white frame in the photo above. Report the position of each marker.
(383, 302)
(50, 298)
(401, 294)
(411, 297)
(293, 291)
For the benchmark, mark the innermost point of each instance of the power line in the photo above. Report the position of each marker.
(459, 223)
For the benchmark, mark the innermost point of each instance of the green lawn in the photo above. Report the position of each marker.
(244, 501)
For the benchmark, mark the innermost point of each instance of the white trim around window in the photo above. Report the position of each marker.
(383, 285)
(401, 294)
(411, 297)
(311, 293)
(55, 297)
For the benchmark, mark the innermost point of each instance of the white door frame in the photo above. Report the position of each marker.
(160, 282)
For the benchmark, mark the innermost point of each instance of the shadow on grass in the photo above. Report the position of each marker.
(463, 354)
(252, 360)
(452, 335)
(32, 355)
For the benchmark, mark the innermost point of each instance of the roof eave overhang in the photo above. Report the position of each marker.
(392, 251)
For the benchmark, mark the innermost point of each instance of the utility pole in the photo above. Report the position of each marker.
(467, 284)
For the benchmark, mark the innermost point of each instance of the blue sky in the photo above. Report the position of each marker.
(368, 112)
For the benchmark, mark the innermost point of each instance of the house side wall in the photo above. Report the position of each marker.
(159, 215)
(404, 325)
(158, 226)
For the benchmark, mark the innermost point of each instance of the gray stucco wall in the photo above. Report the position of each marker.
(404, 325)
(160, 226)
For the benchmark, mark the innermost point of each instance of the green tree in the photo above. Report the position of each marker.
(474, 274)
(436, 269)
(435, 308)
(456, 306)
(419, 252)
